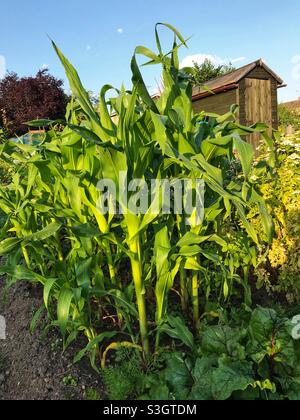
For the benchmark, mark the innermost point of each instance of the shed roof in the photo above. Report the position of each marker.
(230, 80)
(292, 105)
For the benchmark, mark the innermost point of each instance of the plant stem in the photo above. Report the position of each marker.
(111, 269)
(136, 267)
(59, 248)
(195, 300)
(113, 277)
(183, 289)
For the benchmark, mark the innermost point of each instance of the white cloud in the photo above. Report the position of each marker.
(45, 66)
(200, 58)
(88, 48)
(2, 66)
(237, 60)
(120, 30)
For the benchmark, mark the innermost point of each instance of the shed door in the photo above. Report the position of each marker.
(258, 105)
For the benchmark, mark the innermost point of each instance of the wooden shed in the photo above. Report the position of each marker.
(252, 87)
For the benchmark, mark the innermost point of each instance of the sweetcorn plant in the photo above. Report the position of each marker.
(104, 273)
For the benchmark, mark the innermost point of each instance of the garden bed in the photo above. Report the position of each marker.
(32, 366)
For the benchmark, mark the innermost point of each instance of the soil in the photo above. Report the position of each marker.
(32, 365)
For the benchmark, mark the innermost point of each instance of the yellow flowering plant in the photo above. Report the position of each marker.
(277, 172)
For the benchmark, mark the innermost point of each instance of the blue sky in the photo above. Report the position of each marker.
(99, 36)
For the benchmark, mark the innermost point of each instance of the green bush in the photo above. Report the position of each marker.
(288, 118)
(280, 187)
(6, 172)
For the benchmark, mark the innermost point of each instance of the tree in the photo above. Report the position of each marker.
(206, 71)
(29, 98)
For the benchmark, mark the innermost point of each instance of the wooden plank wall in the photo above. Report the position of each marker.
(220, 104)
(258, 105)
(261, 74)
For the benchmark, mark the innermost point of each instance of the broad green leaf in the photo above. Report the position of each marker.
(19, 272)
(79, 92)
(177, 329)
(230, 377)
(63, 308)
(248, 226)
(40, 123)
(85, 230)
(178, 376)
(36, 318)
(45, 233)
(8, 245)
(139, 83)
(192, 264)
(94, 343)
(262, 324)
(219, 340)
(49, 284)
(245, 152)
(155, 59)
(164, 281)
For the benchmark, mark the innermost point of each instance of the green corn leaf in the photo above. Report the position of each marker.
(160, 130)
(19, 272)
(45, 233)
(214, 172)
(120, 299)
(36, 317)
(79, 92)
(192, 264)
(189, 251)
(245, 152)
(76, 86)
(155, 59)
(162, 248)
(63, 309)
(249, 228)
(48, 286)
(83, 273)
(94, 343)
(86, 231)
(139, 84)
(8, 245)
(104, 113)
(191, 238)
(84, 132)
(174, 30)
(267, 221)
(225, 289)
(40, 123)
(71, 182)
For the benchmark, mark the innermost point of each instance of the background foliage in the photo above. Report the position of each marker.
(281, 189)
(206, 71)
(288, 118)
(29, 98)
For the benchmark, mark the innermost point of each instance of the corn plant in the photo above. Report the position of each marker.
(105, 271)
